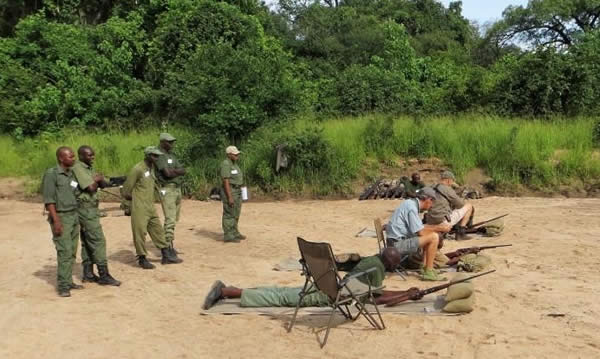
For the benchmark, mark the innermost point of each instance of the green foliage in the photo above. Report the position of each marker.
(61, 75)
(217, 69)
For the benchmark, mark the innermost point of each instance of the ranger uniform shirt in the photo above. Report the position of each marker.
(231, 170)
(167, 160)
(376, 277)
(84, 175)
(446, 201)
(59, 188)
(141, 186)
(411, 188)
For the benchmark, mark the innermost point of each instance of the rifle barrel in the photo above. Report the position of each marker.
(404, 297)
(496, 246)
(488, 221)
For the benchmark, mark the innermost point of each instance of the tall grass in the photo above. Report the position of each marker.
(539, 154)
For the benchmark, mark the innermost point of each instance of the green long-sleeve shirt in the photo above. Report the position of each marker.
(140, 185)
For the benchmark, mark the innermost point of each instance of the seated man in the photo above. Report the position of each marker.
(406, 232)
(389, 260)
(411, 187)
(449, 208)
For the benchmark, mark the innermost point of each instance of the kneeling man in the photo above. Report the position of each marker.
(406, 232)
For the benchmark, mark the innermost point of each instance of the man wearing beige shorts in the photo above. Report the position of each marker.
(449, 208)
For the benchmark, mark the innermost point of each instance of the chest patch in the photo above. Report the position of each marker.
(73, 184)
(169, 161)
(147, 174)
(234, 172)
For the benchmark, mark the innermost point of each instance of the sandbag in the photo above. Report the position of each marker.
(494, 228)
(460, 306)
(459, 291)
(415, 261)
(473, 263)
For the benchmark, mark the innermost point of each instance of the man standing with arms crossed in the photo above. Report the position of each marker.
(169, 174)
(93, 242)
(58, 188)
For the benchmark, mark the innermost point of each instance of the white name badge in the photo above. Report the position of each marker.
(234, 172)
(169, 161)
(163, 191)
(147, 174)
(74, 184)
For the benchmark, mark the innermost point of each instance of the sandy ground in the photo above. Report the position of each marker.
(552, 269)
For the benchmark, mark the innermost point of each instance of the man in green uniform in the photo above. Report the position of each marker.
(169, 174)
(140, 188)
(231, 195)
(93, 242)
(59, 188)
(388, 260)
(413, 185)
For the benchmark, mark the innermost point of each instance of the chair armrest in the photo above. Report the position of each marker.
(356, 275)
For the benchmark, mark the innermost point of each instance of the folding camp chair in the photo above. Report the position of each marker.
(318, 266)
(382, 243)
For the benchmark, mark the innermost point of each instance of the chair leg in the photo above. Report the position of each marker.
(328, 327)
(295, 314)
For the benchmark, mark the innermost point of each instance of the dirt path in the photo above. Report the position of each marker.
(552, 268)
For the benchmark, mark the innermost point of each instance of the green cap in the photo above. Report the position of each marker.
(152, 150)
(448, 175)
(166, 137)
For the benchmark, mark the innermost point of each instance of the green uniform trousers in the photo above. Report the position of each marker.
(170, 198)
(231, 214)
(281, 297)
(93, 242)
(141, 223)
(66, 248)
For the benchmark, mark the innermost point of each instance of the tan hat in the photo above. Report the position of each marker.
(152, 150)
(166, 137)
(232, 150)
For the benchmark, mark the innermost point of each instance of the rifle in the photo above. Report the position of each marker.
(116, 181)
(475, 227)
(369, 191)
(416, 293)
(455, 256)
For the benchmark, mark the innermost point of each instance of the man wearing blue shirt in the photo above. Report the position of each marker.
(406, 232)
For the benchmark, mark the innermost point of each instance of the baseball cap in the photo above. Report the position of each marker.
(427, 192)
(448, 175)
(152, 150)
(166, 137)
(232, 150)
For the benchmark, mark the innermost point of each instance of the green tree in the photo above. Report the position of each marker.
(558, 23)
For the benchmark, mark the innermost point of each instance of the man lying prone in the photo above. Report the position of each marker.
(388, 260)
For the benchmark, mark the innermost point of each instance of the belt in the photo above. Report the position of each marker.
(172, 185)
(236, 186)
(67, 211)
(88, 204)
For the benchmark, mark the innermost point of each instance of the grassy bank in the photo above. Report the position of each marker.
(327, 156)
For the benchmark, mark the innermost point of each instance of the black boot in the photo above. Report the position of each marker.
(169, 257)
(173, 250)
(88, 273)
(105, 277)
(143, 262)
(461, 234)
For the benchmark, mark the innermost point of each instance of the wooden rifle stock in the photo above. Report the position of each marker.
(421, 293)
